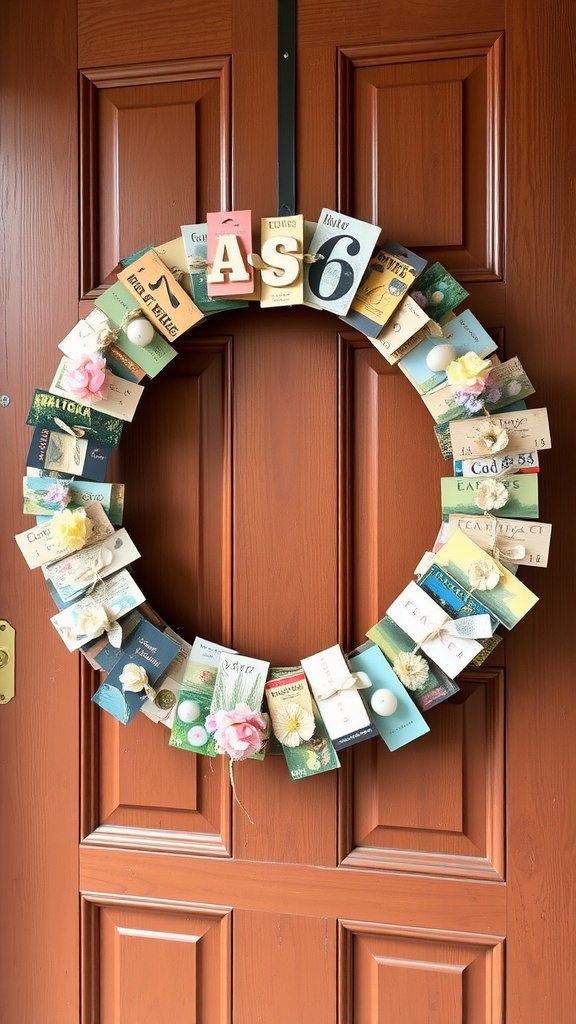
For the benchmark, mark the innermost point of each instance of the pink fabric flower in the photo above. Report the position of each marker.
(58, 494)
(239, 732)
(86, 376)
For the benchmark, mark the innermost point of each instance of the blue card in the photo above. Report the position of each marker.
(455, 601)
(406, 724)
(464, 332)
(69, 456)
(148, 648)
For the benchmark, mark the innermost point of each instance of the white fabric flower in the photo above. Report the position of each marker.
(484, 574)
(93, 621)
(135, 678)
(491, 494)
(293, 724)
(412, 669)
(495, 438)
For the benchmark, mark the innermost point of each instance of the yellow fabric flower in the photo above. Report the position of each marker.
(71, 529)
(467, 370)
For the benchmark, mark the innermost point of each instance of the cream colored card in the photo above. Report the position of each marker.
(173, 256)
(281, 250)
(120, 397)
(81, 622)
(81, 340)
(38, 545)
(528, 431)
(74, 574)
(406, 322)
(525, 542)
(419, 616)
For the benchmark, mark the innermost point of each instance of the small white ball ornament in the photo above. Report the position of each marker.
(140, 332)
(189, 711)
(440, 357)
(384, 702)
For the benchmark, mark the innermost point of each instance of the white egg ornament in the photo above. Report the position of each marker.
(140, 331)
(189, 711)
(384, 702)
(440, 357)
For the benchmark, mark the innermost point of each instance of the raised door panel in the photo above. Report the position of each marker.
(423, 146)
(155, 145)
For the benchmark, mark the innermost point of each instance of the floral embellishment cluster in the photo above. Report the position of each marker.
(239, 733)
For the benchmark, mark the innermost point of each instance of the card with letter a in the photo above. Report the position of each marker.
(229, 245)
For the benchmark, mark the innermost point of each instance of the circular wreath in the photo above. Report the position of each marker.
(212, 697)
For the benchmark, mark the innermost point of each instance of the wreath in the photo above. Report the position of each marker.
(215, 700)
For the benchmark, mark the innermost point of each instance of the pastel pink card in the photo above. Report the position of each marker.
(228, 247)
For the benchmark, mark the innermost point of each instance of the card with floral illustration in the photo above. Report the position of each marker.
(87, 618)
(43, 496)
(426, 691)
(509, 382)
(467, 496)
(127, 686)
(437, 292)
(195, 698)
(298, 727)
(345, 715)
(478, 573)
(405, 724)
(54, 451)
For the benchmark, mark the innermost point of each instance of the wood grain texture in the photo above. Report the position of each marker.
(39, 727)
(541, 708)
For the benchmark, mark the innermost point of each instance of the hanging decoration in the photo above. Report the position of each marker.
(217, 701)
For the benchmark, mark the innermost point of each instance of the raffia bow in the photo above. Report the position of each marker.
(355, 681)
(90, 574)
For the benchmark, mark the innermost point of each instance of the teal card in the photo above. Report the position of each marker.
(406, 724)
(41, 497)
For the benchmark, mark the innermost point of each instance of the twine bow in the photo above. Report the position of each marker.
(494, 437)
(76, 431)
(506, 550)
(90, 573)
(355, 681)
(107, 335)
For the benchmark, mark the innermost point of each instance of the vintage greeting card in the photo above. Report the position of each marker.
(56, 412)
(406, 723)
(117, 302)
(428, 690)
(343, 710)
(464, 332)
(159, 295)
(344, 245)
(494, 585)
(55, 451)
(78, 572)
(298, 727)
(512, 496)
(147, 654)
(91, 616)
(525, 543)
(527, 431)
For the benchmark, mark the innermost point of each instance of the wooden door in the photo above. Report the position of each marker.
(282, 482)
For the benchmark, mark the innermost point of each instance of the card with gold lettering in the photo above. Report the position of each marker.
(524, 543)
(158, 293)
(386, 281)
(281, 249)
(146, 656)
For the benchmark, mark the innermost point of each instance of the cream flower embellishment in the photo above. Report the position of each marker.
(412, 669)
(135, 678)
(293, 724)
(495, 438)
(491, 494)
(71, 529)
(94, 620)
(484, 574)
(467, 370)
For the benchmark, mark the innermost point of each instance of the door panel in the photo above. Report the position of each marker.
(281, 484)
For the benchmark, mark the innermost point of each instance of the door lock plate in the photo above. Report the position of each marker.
(7, 657)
